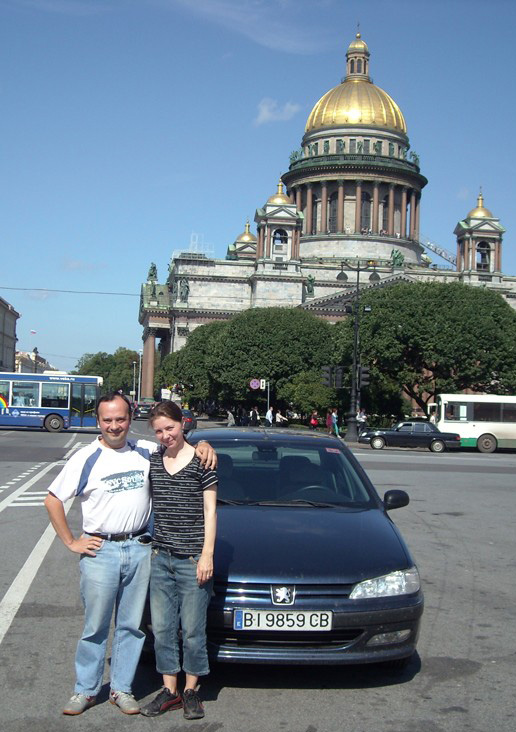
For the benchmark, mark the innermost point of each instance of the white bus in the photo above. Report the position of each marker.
(484, 421)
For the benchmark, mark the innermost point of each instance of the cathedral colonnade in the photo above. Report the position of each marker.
(343, 206)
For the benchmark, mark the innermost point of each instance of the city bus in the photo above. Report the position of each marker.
(53, 400)
(484, 421)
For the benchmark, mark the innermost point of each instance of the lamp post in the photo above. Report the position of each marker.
(140, 353)
(134, 380)
(35, 352)
(351, 421)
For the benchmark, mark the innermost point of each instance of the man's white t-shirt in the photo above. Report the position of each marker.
(113, 486)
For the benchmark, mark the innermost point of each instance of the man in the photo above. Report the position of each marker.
(111, 478)
(269, 417)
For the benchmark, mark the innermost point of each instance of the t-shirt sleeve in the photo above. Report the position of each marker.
(66, 484)
(208, 479)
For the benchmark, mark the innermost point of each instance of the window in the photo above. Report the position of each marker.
(25, 394)
(352, 146)
(456, 411)
(391, 149)
(509, 412)
(365, 220)
(314, 216)
(55, 395)
(340, 146)
(4, 395)
(359, 66)
(352, 67)
(419, 427)
(333, 214)
(407, 427)
(385, 213)
(280, 236)
(485, 412)
(483, 257)
(367, 147)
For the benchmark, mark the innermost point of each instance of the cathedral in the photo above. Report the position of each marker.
(345, 215)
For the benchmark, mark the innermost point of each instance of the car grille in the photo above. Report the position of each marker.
(239, 592)
(292, 639)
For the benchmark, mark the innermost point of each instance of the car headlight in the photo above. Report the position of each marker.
(401, 582)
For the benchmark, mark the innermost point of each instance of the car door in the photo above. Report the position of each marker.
(421, 436)
(402, 436)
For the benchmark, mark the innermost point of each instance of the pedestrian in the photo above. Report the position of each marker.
(329, 422)
(254, 417)
(111, 478)
(184, 499)
(362, 420)
(231, 418)
(269, 417)
(313, 421)
(280, 418)
(335, 422)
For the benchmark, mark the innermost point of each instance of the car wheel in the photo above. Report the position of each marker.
(377, 443)
(437, 446)
(54, 423)
(486, 443)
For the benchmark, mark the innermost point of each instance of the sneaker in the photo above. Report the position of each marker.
(193, 709)
(124, 701)
(79, 703)
(164, 701)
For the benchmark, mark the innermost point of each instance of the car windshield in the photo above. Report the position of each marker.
(283, 472)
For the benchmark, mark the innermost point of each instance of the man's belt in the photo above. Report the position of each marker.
(118, 537)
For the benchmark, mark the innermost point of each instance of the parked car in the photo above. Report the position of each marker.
(309, 567)
(413, 433)
(142, 410)
(189, 420)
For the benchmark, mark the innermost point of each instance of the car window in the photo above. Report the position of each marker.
(406, 427)
(273, 470)
(419, 427)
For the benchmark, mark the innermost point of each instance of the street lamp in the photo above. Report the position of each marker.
(140, 353)
(351, 421)
(134, 380)
(35, 352)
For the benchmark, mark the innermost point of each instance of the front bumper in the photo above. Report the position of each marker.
(346, 643)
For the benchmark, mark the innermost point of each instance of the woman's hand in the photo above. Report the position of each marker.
(204, 568)
(206, 455)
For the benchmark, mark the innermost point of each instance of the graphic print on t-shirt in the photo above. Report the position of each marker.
(128, 481)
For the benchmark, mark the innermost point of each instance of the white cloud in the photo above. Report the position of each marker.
(280, 26)
(269, 110)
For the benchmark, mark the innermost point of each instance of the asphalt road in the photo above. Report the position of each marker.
(459, 525)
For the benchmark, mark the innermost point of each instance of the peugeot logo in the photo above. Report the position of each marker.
(283, 595)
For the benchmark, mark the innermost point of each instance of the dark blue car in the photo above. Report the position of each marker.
(309, 567)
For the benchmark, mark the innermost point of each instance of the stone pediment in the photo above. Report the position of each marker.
(289, 212)
(335, 304)
(485, 226)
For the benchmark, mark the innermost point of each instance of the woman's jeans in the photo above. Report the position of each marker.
(176, 597)
(116, 578)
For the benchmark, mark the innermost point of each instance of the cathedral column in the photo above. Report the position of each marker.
(309, 207)
(358, 206)
(412, 224)
(149, 352)
(259, 248)
(268, 252)
(375, 206)
(390, 230)
(459, 266)
(299, 199)
(340, 208)
(403, 232)
(498, 257)
(292, 196)
(416, 228)
(324, 208)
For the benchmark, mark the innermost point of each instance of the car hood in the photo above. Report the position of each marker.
(312, 545)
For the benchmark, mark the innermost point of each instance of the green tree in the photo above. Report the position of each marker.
(116, 368)
(305, 391)
(427, 338)
(268, 343)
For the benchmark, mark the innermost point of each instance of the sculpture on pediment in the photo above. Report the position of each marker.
(153, 273)
(397, 258)
(310, 285)
(184, 290)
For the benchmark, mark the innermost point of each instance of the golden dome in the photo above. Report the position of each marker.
(480, 212)
(356, 103)
(279, 197)
(246, 236)
(358, 44)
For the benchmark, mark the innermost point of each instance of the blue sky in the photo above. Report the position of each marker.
(128, 125)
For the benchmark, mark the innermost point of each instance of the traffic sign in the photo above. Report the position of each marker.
(254, 383)
(263, 384)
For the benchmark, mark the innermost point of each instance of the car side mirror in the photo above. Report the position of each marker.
(395, 499)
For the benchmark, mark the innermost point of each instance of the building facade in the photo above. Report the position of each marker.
(352, 197)
(8, 318)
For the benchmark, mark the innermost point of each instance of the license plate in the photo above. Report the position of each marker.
(281, 620)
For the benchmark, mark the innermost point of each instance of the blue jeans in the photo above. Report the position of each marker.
(116, 579)
(176, 596)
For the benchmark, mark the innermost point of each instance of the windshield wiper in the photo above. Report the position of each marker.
(230, 502)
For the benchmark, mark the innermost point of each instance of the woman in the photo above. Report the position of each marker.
(184, 496)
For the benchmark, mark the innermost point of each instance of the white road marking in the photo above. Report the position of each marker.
(15, 595)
